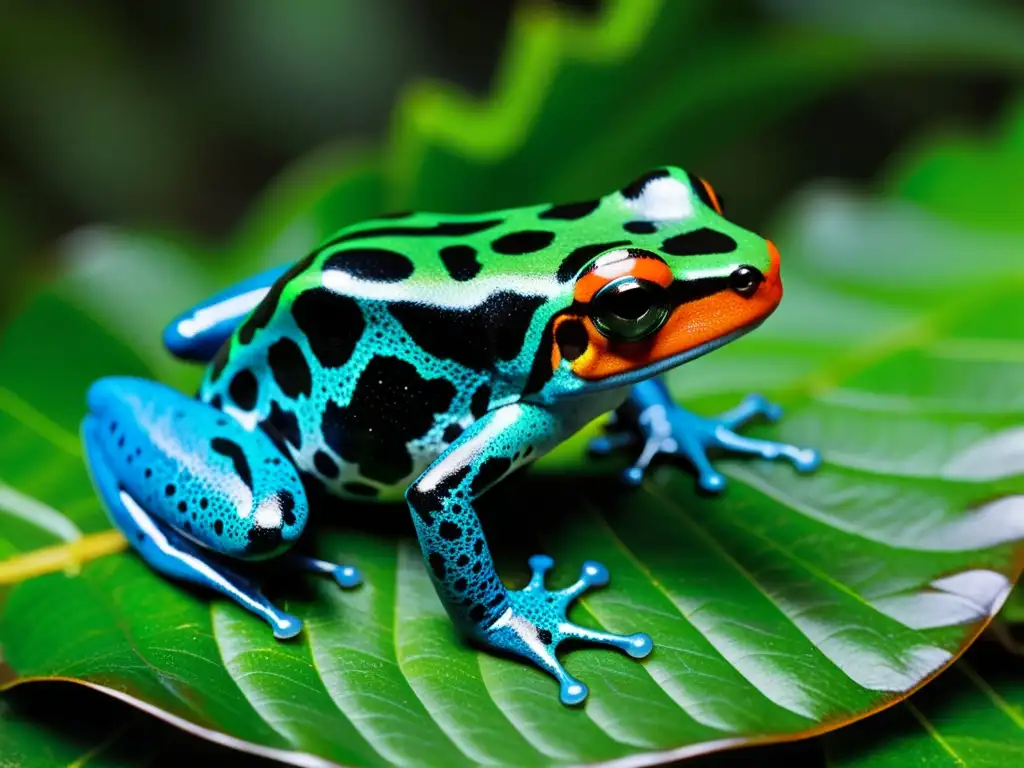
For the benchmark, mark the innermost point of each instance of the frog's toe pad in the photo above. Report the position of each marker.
(285, 626)
(536, 623)
(347, 576)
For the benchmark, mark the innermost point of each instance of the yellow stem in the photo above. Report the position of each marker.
(63, 557)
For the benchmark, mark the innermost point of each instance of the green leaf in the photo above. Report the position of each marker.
(790, 606)
(61, 724)
(972, 716)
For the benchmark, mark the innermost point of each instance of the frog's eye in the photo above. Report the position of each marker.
(707, 195)
(630, 309)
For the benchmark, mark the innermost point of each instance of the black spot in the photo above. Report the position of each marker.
(635, 188)
(233, 451)
(204, 503)
(391, 405)
(570, 211)
(284, 423)
(478, 546)
(449, 531)
(188, 527)
(544, 635)
(541, 370)
(578, 259)
(218, 527)
(220, 360)
(477, 612)
(489, 473)
(217, 402)
(463, 561)
(701, 191)
(287, 502)
(425, 503)
(182, 507)
(332, 323)
(683, 291)
(524, 241)
(460, 261)
(170, 490)
(325, 465)
(481, 399)
(460, 585)
(477, 567)
(640, 227)
(437, 565)
(266, 308)
(572, 339)
(359, 489)
(140, 536)
(444, 229)
(262, 540)
(451, 433)
(244, 390)
(371, 264)
(148, 473)
(290, 369)
(698, 242)
(497, 600)
(475, 337)
(120, 442)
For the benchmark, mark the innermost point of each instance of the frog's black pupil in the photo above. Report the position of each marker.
(630, 303)
(745, 280)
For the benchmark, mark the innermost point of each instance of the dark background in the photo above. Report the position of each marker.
(176, 115)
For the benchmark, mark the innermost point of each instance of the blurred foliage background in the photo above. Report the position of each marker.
(175, 117)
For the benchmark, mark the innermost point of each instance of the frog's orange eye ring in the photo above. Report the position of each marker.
(630, 309)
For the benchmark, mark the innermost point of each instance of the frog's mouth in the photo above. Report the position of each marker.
(627, 378)
(699, 322)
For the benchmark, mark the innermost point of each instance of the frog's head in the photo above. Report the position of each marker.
(688, 282)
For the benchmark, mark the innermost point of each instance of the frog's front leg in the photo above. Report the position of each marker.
(190, 488)
(530, 622)
(198, 332)
(651, 420)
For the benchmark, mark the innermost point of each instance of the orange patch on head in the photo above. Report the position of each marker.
(689, 326)
(621, 263)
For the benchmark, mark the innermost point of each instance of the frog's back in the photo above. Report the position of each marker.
(376, 351)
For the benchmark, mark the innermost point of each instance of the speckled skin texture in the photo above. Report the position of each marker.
(425, 357)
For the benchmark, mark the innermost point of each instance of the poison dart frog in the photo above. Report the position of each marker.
(424, 357)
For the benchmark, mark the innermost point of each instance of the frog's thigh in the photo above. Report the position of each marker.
(194, 469)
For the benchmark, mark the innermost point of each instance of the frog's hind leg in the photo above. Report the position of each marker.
(190, 487)
(651, 419)
(198, 332)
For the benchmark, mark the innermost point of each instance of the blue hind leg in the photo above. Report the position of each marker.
(190, 488)
(650, 419)
(199, 332)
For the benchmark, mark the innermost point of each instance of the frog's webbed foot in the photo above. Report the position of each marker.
(659, 426)
(536, 623)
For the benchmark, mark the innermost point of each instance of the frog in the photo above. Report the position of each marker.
(421, 359)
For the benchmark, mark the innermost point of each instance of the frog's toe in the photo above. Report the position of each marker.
(536, 623)
(346, 576)
(806, 459)
(285, 626)
(711, 481)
